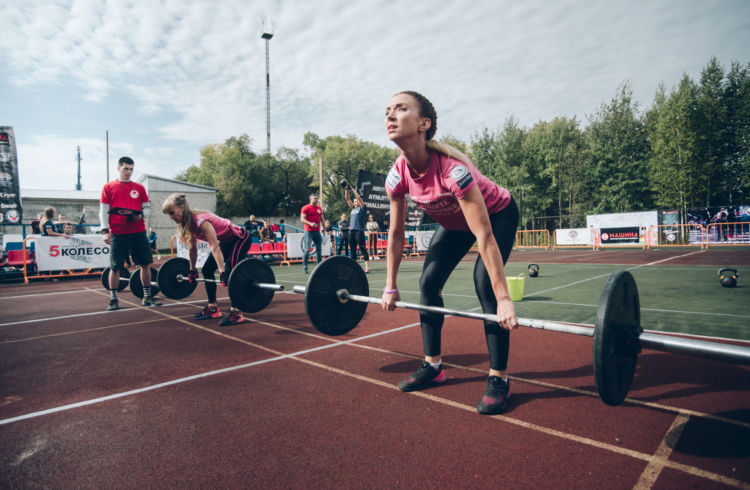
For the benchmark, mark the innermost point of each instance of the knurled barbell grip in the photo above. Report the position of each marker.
(344, 296)
(524, 322)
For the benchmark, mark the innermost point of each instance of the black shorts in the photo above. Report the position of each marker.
(130, 244)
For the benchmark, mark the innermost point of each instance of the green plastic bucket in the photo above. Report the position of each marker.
(515, 287)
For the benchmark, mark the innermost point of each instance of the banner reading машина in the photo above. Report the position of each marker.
(610, 236)
(10, 188)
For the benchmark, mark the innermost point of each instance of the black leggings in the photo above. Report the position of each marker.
(446, 250)
(357, 239)
(233, 252)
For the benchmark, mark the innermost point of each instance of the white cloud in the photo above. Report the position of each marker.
(197, 69)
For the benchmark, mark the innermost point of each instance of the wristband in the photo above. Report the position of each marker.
(390, 291)
(105, 230)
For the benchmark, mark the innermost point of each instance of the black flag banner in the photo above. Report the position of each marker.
(10, 188)
(371, 186)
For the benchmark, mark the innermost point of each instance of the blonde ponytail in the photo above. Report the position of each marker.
(185, 228)
(448, 150)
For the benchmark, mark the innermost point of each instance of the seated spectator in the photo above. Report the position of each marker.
(266, 233)
(47, 225)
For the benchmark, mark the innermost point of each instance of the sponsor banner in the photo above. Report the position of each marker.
(294, 245)
(203, 252)
(422, 240)
(619, 220)
(55, 253)
(371, 186)
(617, 236)
(574, 236)
(10, 189)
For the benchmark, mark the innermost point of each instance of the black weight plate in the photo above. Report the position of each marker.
(167, 279)
(123, 279)
(242, 292)
(616, 345)
(327, 314)
(136, 285)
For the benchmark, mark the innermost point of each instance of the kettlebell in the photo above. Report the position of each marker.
(533, 270)
(728, 277)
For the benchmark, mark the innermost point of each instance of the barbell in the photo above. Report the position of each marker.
(337, 295)
(133, 280)
(250, 284)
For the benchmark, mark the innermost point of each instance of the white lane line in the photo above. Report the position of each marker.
(103, 312)
(32, 295)
(115, 396)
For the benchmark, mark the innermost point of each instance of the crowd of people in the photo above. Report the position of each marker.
(49, 223)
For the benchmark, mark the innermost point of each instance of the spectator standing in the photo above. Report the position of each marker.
(343, 241)
(60, 223)
(152, 243)
(372, 229)
(122, 208)
(252, 225)
(357, 221)
(47, 225)
(311, 215)
(80, 227)
(35, 230)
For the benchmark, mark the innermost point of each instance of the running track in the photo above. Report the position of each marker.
(150, 398)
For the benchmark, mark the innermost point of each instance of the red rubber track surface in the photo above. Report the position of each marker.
(145, 398)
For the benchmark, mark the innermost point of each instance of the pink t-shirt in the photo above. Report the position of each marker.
(437, 192)
(225, 230)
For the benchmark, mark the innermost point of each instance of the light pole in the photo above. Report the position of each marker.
(267, 34)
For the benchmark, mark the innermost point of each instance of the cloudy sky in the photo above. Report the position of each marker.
(166, 77)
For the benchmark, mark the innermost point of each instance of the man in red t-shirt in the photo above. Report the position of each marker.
(122, 208)
(311, 216)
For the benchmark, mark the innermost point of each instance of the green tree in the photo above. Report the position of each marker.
(500, 157)
(250, 183)
(711, 121)
(735, 167)
(342, 158)
(539, 196)
(674, 164)
(620, 153)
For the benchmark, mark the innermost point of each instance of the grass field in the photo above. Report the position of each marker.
(680, 299)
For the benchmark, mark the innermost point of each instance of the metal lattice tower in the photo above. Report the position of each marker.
(267, 34)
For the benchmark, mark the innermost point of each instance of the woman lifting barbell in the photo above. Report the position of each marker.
(229, 244)
(469, 207)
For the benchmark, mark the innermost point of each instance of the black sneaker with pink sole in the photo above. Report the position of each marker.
(496, 397)
(423, 377)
